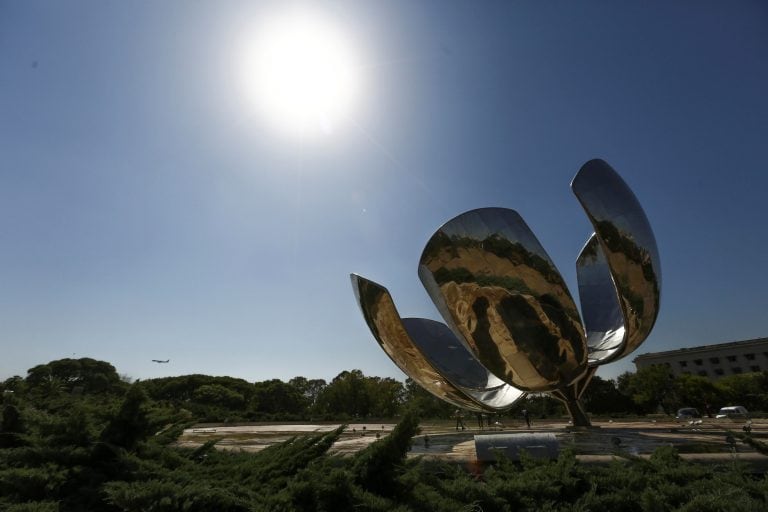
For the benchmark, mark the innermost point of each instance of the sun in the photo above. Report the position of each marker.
(301, 74)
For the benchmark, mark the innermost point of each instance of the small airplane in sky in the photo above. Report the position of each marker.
(160, 361)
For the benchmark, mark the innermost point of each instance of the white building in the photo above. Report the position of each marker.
(712, 361)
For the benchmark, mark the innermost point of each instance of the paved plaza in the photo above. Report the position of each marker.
(706, 441)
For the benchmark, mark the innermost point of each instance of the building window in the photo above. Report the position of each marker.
(683, 364)
(750, 357)
(732, 359)
(754, 368)
(736, 369)
(714, 360)
(697, 362)
(702, 373)
(719, 371)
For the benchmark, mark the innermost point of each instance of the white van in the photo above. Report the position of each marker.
(733, 411)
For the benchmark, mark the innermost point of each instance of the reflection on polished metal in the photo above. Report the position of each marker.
(603, 319)
(429, 353)
(627, 250)
(495, 284)
(513, 326)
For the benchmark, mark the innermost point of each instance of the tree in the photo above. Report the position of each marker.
(309, 388)
(130, 425)
(11, 420)
(11, 428)
(603, 397)
(183, 388)
(696, 391)
(277, 397)
(353, 394)
(15, 384)
(424, 403)
(387, 396)
(539, 405)
(376, 468)
(650, 388)
(747, 389)
(85, 375)
(218, 395)
(347, 394)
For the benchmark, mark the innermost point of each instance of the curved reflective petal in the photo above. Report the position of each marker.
(600, 308)
(500, 292)
(457, 364)
(392, 335)
(629, 248)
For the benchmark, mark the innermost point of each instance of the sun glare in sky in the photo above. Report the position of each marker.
(301, 73)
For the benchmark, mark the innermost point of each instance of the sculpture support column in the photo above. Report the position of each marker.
(573, 405)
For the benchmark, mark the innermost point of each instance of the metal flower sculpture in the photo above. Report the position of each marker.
(512, 325)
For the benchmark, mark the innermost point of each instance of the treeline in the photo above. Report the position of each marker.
(352, 396)
(349, 395)
(655, 389)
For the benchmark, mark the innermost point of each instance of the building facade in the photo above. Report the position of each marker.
(712, 361)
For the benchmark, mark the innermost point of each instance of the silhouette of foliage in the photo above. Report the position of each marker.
(130, 424)
(96, 452)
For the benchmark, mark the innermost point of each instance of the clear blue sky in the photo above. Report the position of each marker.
(147, 211)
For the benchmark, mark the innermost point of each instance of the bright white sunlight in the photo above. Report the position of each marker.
(301, 73)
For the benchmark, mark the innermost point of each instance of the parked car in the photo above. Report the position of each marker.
(687, 413)
(733, 411)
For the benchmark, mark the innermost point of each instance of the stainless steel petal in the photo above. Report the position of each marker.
(600, 307)
(629, 248)
(386, 326)
(457, 364)
(499, 291)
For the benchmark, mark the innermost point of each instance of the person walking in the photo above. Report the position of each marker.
(527, 417)
(459, 419)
